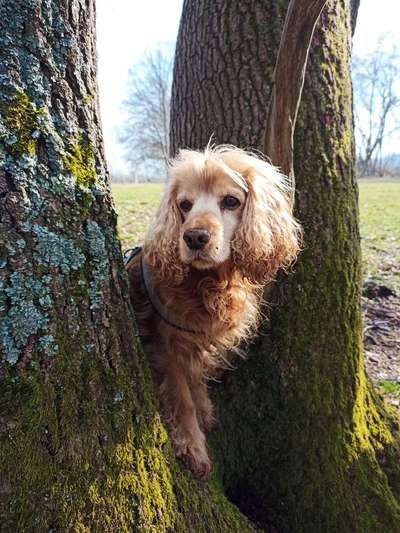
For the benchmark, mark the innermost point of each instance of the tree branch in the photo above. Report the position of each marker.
(288, 80)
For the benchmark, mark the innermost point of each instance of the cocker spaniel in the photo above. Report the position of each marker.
(223, 229)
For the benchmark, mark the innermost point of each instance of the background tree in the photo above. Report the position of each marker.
(82, 447)
(145, 134)
(376, 100)
(303, 444)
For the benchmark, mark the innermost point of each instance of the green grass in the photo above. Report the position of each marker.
(389, 387)
(380, 230)
(136, 205)
(379, 212)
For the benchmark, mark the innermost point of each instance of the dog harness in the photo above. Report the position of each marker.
(146, 278)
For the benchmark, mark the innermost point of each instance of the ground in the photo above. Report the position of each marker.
(380, 233)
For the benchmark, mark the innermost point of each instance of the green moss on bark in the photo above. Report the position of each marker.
(80, 161)
(21, 118)
(89, 450)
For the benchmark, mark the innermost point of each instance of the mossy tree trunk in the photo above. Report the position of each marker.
(82, 447)
(303, 443)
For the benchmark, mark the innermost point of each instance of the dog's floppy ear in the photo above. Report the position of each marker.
(161, 247)
(268, 236)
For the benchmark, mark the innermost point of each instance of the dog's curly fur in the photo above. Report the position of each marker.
(217, 290)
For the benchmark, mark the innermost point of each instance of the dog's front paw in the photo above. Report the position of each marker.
(199, 463)
(193, 453)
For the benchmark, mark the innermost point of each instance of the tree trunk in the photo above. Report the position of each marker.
(303, 443)
(82, 446)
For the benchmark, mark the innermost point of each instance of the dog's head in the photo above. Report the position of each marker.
(222, 205)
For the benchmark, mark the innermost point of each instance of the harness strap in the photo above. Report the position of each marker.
(130, 253)
(148, 286)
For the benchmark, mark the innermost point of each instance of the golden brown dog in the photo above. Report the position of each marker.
(223, 229)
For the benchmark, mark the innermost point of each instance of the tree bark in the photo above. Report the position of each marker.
(82, 446)
(303, 442)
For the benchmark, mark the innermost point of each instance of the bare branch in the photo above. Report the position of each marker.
(301, 18)
(376, 100)
(145, 134)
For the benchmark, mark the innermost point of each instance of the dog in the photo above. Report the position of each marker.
(223, 229)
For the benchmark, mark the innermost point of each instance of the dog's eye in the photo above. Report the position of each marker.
(186, 205)
(230, 202)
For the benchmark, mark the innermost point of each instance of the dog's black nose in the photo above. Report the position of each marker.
(196, 239)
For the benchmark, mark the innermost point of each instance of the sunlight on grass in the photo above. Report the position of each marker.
(380, 230)
(136, 205)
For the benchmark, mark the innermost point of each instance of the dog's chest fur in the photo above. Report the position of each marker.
(219, 306)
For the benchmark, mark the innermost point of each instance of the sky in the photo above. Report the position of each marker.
(127, 28)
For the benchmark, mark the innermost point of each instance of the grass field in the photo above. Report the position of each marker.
(379, 214)
(380, 230)
(135, 206)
